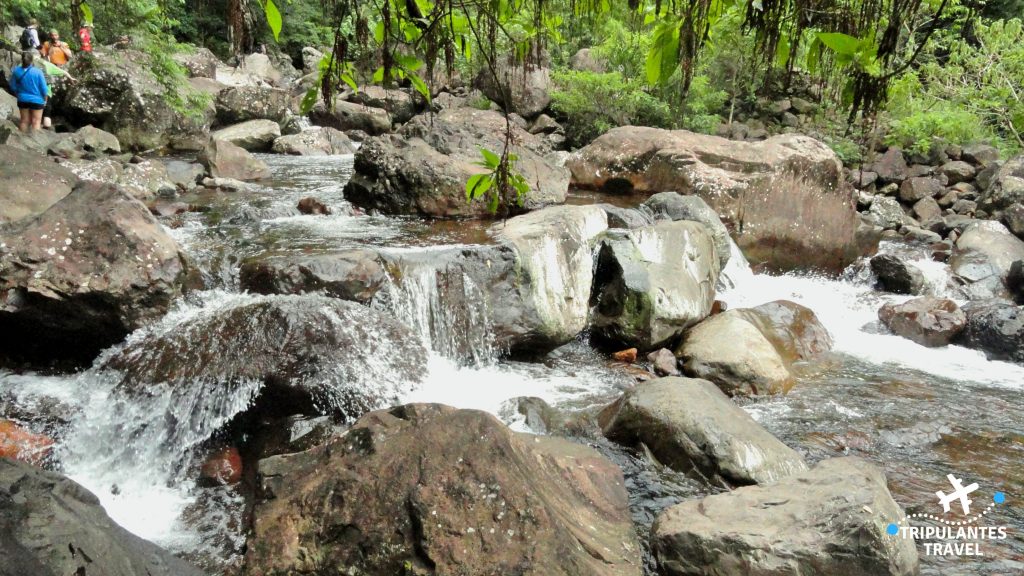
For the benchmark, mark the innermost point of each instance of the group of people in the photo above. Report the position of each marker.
(28, 83)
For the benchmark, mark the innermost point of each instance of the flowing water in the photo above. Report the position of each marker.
(919, 413)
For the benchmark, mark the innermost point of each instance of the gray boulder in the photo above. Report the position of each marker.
(242, 103)
(1006, 187)
(585, 60)
(981, 261)
(31, 185)
(628, 218)
(52, 526)
(996, 327)
(691, 426)
(398, 103)
(890, 167)
(653, 283)
(350, 275)
(145, 180)
(347, 116)
(929, 321)
(887, 213)
(83, 274)
(957, 171)
(752, 350)
(914, 189)
(897, 276)
(675, 206)
(831, 519)
(424, 169)
(223, 159)
(319, 141)
(528, 87)
(252, 135)
(980, 154)
(93, 139)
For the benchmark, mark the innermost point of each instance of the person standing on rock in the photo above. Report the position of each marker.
(56, 51)
(30, 36)
(29, 85)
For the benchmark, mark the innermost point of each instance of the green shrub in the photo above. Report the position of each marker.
(590, 104)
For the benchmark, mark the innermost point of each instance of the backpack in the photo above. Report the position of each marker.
(26, 39)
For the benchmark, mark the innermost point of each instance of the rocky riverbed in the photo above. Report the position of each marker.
(232, 361)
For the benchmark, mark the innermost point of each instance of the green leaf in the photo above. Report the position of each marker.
(350, 81)
(841, 44)
(420, 86)
(410, 63)
(378, 32)
(814, 55)
(663, 57)
(273, 18)
(491, 160)
(478, 185)
(378, 75)
(309, 100)
(86, 13)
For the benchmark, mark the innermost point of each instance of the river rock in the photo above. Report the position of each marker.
(982, 258)
(887, 213)
(957, 171)
(653, 283)
(32, 185)
(305, 354)
(980, 154)
(319, 141)
(896, 275)
(52, 526)
(527, 86)
(200, 62)
(93, 139)
(19, 443)
(555, 272)
(352, 116)
(253, 135)
(8, 107)
(628, 218)
(675, 206)
(84, 273)
(398, 103)
(690, 425)
(223, 159)
(890, 166)
(663, 362)
(146, 180)
(184, 175)
(751, 350)
(350, 275)
(242, 103)
(996, 327)
(427, 488)
(221, 467)
(914, 189)
(929, 321)
(831, 519)
(118, 92)
(1006, 187)
(424, 168)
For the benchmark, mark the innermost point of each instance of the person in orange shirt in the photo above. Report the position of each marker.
(56, 51)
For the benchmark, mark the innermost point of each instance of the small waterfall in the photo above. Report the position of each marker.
(431, 292)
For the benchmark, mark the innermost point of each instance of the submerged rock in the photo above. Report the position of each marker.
(52, 526)
(83, 274)
(431, 489)
(309, 354)
(828, 520)
(691, 426)
(929, 321)
(30, 183)
(653, 283)
(751, 350)
(424, 168)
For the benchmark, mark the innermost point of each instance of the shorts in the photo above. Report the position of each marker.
(30, 106)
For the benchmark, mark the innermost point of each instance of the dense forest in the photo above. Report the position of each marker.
(909, 72)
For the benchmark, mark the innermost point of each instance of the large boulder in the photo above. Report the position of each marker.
(350, 275)
(243, 103)
(653, 283)
(8, 107)
(527, 87)
(319, 141)
(690, 425)
(118, 91)
(929, 321)
(424, 169)
(83, 274)
(555, 262)
(352, 116)
(675, 206)
(896, 275)
(430, 489)
(30, 184)
(252, 135)
(146, 179)
(223, 159)
(304, 354)
(831, 519)
(785, 198)
(982, 259)
(996, 327)
(752, 350)
(398, 103)
(52, 526)
(1007, 186)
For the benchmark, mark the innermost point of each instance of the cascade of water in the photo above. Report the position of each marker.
(429, 291)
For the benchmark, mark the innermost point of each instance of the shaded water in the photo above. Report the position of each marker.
(919, 413)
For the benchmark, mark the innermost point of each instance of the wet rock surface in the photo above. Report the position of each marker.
(995, 327)
(929, 321)
(429, 488)
(36, 184)
(350, 275)
(827, 520)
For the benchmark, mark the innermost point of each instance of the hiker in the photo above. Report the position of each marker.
(29, 86)
(56, 51)
(30, 36)
(85, 36)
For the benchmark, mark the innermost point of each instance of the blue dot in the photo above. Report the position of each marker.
(999, 498)
(892, 529)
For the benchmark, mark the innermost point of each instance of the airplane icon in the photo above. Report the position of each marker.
(959, 492)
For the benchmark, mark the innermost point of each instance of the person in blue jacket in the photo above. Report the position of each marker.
(29, 85)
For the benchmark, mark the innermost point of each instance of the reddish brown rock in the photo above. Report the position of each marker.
(20, 444)
(310, 205)
(628, 355)
(222, 467)
(929, 321)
